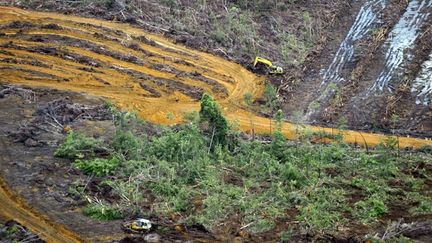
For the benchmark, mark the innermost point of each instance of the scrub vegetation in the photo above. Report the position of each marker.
(284, 31)
(204, 172)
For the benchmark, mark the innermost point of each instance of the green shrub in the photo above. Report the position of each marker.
(102, 211)
(293, 175)
(424, 207)
(127, 144)
(370, 209)
(98, 167)
(427, 149)
(179, 170)
(218, 125)
(76, 145)
(259, 224)
(219, 35)
(12, 230)
(389, 143)
(323, 209)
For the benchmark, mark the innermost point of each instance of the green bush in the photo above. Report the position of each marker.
(76, 145)
(424, 207)
(102, 211)
(370, 209)
(323, 209)
(98, 167)
(218, 125)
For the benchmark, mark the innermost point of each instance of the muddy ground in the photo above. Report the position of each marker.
(28, 164)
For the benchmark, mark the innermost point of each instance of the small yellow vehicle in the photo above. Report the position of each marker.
(262, 64)
(138, 226)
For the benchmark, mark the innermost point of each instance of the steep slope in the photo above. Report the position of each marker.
(371, 80)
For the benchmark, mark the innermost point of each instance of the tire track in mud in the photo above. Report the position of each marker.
(136, 70)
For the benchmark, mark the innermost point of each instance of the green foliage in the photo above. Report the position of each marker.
(248, 99)
(219, 35)
(293, 175)
(389, 143)
(279, 116)
(285, 236)
(259, 224)
(427, 149)
(323, 211)
(424, 207)
(271, 97)
(102, 211)
(211, 113)
(12, 230)
(235, 28)
(98, 167)
(423, 203)
(76, 145)
(293, 50)
(174, 171)
(370, 209)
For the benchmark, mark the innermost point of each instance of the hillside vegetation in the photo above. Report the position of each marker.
(284, 31)
(204, 172)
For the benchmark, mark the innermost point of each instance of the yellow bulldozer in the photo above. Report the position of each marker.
(266, 66)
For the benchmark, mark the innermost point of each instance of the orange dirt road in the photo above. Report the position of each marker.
(135, 70)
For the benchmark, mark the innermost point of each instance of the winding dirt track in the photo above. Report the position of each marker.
(136, 70)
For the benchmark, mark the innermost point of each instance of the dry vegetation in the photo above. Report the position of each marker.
(284, 31)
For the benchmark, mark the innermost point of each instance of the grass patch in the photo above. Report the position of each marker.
(102, 211)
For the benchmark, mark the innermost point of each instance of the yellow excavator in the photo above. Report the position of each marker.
(262, 64)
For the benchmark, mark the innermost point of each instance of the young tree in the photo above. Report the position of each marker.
(211, 114)
(270, 95)
(248, 100)
(279, 140)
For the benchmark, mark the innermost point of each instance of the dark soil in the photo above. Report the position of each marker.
(12, 231)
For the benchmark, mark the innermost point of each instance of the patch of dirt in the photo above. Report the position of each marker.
(28, 165)
(169, 85)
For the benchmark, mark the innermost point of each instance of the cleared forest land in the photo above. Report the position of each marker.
(82, 165)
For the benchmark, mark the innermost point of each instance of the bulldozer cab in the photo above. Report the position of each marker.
(263, 65)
